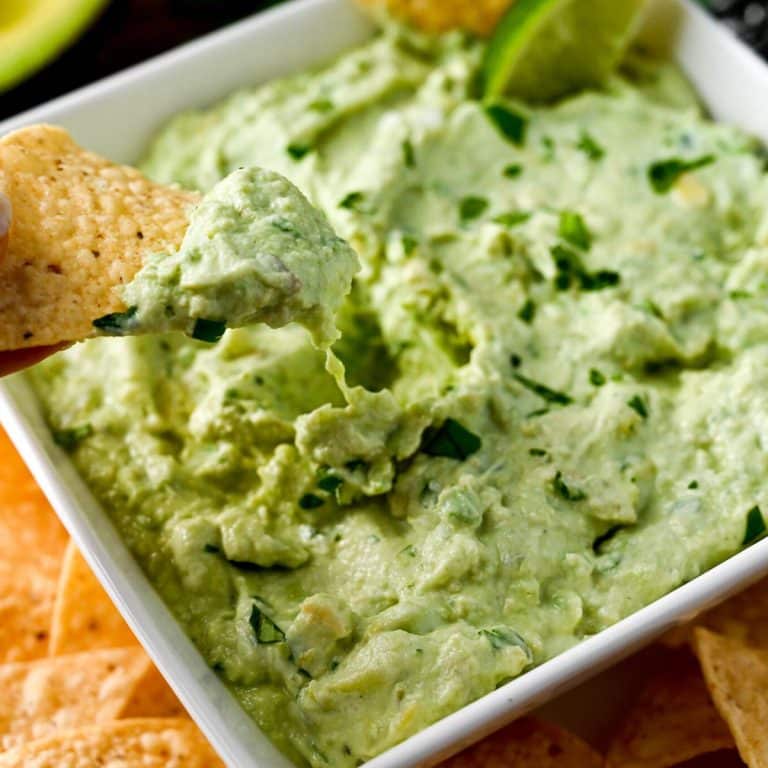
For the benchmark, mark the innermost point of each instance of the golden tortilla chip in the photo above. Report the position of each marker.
(40, 697)
(737, 678)
(479, 16)
(153, 697)
(32, 543)
(84, 617)
(528, 743)
(146, 742)
(673, 719)
(743, 617)
(80, 228)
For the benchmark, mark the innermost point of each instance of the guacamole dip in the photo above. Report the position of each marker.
(255, 251)
(554, 409)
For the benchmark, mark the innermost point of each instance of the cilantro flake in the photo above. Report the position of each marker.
(208, 330)
(471, 207)
(116, 323)
(266, 631)
(637, 404)
(510, 124)
(565, 491)
(663, 174)
(69, 438)
(755, 527)
(544, 392)
(311, 501)
(596, 378)
(451, 440)
(574, 231)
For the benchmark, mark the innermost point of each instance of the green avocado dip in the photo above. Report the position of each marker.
(552, 410)
(255, 251)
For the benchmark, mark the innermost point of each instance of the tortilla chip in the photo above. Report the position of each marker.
(32, 543)
(81, 227)
(84, 617)
(737, 677)
(152, 697)
(743, 617)
(40, 697)
(149, 743)
(479, 16)
(673, 719)
(527, 743)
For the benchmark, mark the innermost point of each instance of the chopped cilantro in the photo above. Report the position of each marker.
(266, 631)
(574, 231)
(409, 155)
(321, 105)
(512, 218)
(297, 151)
(351, 201)
(471, 207)
(69, 438)
(569, 493)
(512, 171)
(636, 403)
(596, 378)
(116, 323)
(310, 501)
(208, 330)
(596, 281)
(356, 464)
(590, 147)
(410, 244)
(755, 528)
(693, 485)
(537, 452)
(603, 538)
(570, 269)
(527, 311)
(550, 395)
(501, 637)
(329, 483)
(211, 549)
(515, 360)
(510, 124)
(663, 174)
(451, 440)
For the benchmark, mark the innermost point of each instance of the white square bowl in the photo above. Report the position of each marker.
(117, 117)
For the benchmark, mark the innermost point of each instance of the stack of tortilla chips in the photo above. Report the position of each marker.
(78, 690)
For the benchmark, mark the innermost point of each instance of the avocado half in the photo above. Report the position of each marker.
(32, 32)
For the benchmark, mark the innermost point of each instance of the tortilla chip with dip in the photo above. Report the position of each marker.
(80, 227)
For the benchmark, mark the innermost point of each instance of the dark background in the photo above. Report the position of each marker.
(130, 31)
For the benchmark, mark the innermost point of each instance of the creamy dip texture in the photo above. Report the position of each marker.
(554, 412)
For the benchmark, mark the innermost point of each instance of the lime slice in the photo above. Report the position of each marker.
(544, 49)
(32, 32)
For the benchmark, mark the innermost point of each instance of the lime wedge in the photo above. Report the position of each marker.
(32, 32)
(544, 49)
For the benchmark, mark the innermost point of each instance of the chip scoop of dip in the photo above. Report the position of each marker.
(256, 250)
(80, 228)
